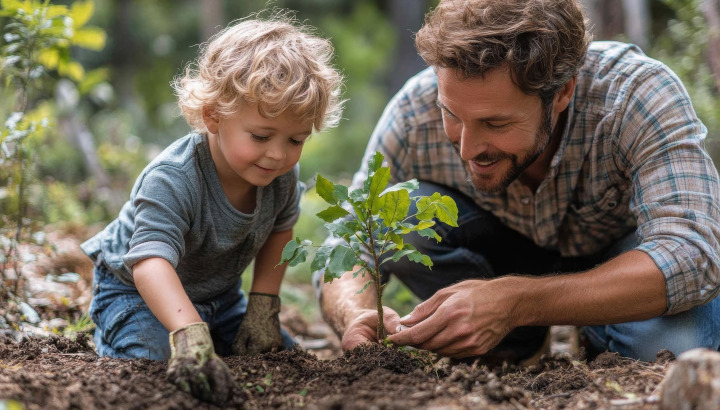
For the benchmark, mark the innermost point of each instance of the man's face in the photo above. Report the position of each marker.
(498, 130)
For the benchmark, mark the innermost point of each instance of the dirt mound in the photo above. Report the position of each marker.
(58, 373)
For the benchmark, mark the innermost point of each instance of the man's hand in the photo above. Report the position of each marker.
(463, 320)
(363, 328)
(195, 368)
(260, 329)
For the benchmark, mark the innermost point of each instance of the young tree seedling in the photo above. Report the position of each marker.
(372, 220)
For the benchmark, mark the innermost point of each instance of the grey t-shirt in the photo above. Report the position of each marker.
(178, 211)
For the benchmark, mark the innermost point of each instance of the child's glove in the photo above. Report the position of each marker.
(260, 329)
(195, 368)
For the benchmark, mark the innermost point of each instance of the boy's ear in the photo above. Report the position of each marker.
(211, 119)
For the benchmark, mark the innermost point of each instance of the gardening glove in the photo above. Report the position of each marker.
(260, 329)
(195, 368)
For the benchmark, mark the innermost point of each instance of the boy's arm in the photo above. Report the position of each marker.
(193, 364)
(267, 274)
(260, 329)
(160, 287)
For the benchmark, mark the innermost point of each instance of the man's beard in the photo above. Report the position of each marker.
(518, 166)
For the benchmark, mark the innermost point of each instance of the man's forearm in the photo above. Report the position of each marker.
(627, 288)
(340, 301)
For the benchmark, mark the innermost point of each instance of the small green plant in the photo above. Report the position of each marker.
(372, 220)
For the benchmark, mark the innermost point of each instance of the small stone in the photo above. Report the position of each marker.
(692, 382)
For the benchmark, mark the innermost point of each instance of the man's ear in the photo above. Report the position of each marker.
(564, 96)
(211, 119)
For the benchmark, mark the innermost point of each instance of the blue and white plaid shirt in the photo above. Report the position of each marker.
(632, 158)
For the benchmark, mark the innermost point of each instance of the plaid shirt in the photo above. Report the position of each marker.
(632, 158)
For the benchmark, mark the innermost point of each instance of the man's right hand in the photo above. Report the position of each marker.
(195, 368)
(363, 327)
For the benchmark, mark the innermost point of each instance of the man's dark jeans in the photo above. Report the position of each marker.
(483, 248)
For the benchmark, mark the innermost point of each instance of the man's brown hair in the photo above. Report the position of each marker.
(542, 42)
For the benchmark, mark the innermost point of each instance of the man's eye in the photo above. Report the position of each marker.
(258, 137)
(496, 126)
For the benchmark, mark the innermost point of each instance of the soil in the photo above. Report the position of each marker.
(43, 370)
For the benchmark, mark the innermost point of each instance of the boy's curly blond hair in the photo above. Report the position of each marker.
(275, 63)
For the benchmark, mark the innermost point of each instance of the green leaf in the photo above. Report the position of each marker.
(359, 271)
(289, 250)
(81, 11)
(407, 228)
(447, 211)
(378, 203)
(320, 260)
(429, 233)
(342, 259)
(425, 209)
(395, 207)
(413, 255)
(397, 240)
(332, 213)
(409, 186)
(326, 190)
(368, 283)
(375, 162)
(380, 179)
(92, 38)
(342, 229)
(357, 196)
(293, 253)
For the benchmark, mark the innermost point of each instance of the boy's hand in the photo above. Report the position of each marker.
(260, 329)
(195, 368)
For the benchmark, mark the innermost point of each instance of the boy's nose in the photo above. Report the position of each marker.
(275, 153)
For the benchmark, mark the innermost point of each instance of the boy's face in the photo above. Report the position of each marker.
(251, 150)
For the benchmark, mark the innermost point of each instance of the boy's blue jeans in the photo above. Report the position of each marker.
(126, 328)
(482, 248)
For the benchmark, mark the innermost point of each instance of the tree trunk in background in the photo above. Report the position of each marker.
(711, 9)
(606, 18)
(123, 52)
(212, 18)
(407, 18)
(637, 22)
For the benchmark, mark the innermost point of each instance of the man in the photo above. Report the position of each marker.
(585, 195)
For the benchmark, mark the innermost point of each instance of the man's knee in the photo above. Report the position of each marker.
(697, 327)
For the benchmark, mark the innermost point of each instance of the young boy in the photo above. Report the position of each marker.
(167, 278)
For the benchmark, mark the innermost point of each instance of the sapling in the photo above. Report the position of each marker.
(372, 220)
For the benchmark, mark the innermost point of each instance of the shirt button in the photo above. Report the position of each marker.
(525, 200)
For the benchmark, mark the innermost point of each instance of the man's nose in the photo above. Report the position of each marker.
(471, 143)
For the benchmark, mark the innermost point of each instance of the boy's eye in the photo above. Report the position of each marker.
(259, 137)
(296, 142)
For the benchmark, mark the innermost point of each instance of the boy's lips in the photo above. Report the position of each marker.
(266, 170)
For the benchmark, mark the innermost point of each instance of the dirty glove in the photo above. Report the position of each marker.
(260, 329)
(195, 368)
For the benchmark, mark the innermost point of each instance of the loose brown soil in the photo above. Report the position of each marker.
(55, 372)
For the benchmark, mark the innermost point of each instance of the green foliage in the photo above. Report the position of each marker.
(683, 48)
(37, 38)
(375, 228)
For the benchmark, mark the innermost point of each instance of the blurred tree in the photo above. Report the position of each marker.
(711, 9)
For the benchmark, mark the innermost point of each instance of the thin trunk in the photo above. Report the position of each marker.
(211, 18)
(711, 9)
(637, 22)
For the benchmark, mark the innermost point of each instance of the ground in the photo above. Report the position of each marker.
(48, 362)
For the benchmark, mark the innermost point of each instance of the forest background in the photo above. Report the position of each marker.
(103, 108)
